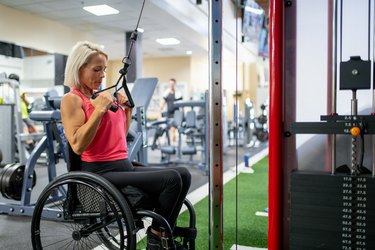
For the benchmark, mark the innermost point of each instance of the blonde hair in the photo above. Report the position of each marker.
(79, 56)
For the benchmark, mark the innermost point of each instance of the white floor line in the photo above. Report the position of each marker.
(201, 192)
(260, 213)
(238, 247)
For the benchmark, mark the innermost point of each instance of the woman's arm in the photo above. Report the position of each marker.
(128, 114)
(122, 99)
(79, 133)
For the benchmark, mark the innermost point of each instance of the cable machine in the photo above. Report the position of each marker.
(333, 210)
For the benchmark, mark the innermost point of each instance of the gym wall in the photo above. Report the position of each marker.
(35, 32)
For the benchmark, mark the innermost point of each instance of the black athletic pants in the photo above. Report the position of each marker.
(168, 185)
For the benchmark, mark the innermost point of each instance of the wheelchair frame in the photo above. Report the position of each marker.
(92, 213)
(51, 205)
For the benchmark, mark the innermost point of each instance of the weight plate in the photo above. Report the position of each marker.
(2, 174)
(5, 180)
(12, 181)
(14, 185)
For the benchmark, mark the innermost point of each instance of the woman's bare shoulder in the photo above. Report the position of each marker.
(71, 100)
(71, 111)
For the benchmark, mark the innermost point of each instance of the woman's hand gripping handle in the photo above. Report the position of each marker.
(105, 101)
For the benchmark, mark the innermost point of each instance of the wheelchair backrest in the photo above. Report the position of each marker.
(74, 161)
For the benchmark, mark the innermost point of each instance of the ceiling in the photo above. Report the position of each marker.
(182, 19)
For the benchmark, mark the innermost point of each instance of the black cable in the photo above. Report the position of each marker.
(140, 14)
(368, 30)
(133, 38)
(369, 27)
(341, 12)
(127, 62)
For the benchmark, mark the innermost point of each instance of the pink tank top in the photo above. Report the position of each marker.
(109, 143)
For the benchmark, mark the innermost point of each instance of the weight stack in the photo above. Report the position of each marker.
(332, 211)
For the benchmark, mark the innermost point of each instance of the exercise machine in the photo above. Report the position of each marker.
(255, 128)
(261, 124)
(161, 139)
(12, 137)
(143, 89)
(191, 122)
(17, 180)
(334, 209)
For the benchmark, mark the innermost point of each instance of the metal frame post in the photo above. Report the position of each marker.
(333, 83)
(215, 126)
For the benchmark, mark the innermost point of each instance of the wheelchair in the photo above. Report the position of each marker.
(82, 210)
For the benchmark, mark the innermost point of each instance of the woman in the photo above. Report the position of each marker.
(99, 136)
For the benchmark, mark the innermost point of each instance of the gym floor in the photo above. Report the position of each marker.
(15, 230)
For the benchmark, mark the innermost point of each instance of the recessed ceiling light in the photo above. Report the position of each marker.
(189, 52)
(168, 41)
(101, 10)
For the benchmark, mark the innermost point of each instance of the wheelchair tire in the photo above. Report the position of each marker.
(81, 210)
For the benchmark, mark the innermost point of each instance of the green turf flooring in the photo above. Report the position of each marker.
(241, 225)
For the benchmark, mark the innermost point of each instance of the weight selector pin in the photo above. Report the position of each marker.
(355, 131)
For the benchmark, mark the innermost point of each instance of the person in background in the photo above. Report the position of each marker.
(169, 97)
(98, 135)
(29, 126)
(25, 114)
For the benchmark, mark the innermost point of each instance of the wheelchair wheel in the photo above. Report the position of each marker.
(183, 235)
(82, 210)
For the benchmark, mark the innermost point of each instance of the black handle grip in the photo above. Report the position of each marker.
(127, 103)
(113, 107)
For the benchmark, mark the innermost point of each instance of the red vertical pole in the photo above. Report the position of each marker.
(275, 178)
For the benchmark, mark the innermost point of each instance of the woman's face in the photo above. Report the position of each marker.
(92, 74)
